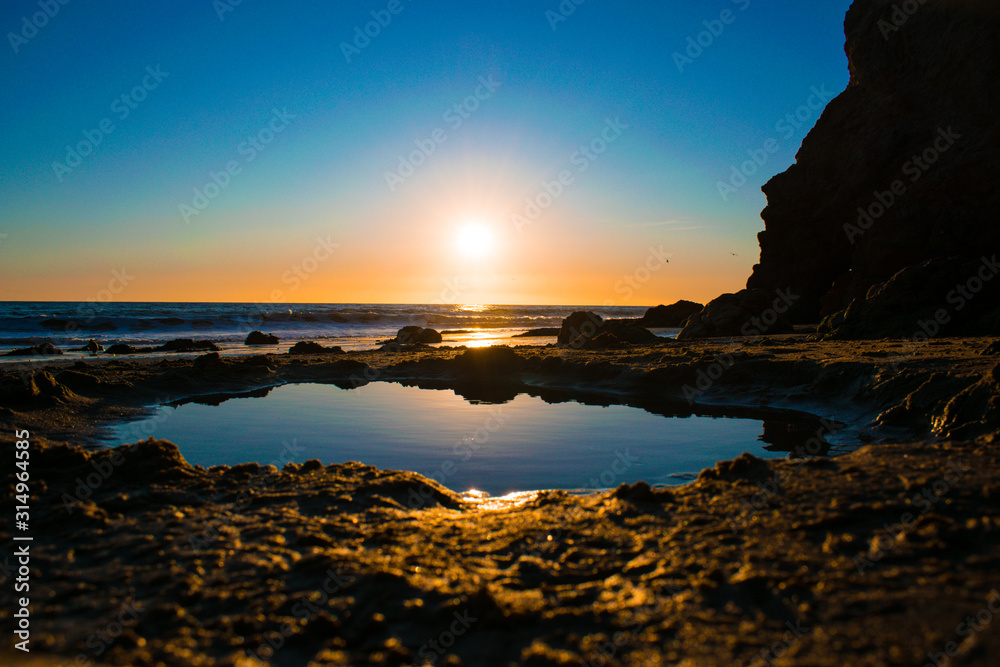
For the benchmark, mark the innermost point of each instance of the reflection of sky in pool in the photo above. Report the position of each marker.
(520, 445)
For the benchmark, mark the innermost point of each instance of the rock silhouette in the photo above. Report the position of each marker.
(902, 166)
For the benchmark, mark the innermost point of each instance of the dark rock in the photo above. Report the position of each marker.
(414, 334)
(552, 363)
(206, 361)
(581, 328)
(641, 492)
(348, 367)
(488, 361)
(257, 360)
(148, 461)
(40, 350)
(78, 382)
(311, 347)
(38, 387)
(605, 341)
(538, 333)
(928, 88)
(628, 333)
(934, 298)
(93, 347)
(176, 345)
(745, 466)
(260, 338)
(746, 313)
(674, 315)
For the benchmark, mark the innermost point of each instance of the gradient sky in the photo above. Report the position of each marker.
(344, 125)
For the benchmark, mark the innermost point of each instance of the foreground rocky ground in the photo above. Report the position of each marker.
(879, 557)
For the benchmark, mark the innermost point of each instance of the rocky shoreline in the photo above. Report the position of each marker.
(875, 557)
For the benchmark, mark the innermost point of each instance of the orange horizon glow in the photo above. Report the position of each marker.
(465, 249)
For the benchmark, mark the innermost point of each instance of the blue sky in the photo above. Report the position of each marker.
(222, 81)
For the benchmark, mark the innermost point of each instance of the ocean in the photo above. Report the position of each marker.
(69, 325)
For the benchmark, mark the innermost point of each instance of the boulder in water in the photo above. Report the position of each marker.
(260, 338)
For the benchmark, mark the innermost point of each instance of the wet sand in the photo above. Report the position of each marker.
(877, 557)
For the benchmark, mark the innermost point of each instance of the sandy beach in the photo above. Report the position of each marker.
(875, 557)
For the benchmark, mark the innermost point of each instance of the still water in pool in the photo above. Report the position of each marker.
(523, 444)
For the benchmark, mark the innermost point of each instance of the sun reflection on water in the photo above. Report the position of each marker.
(484, 501)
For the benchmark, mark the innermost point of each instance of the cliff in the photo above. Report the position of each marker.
(903, 167)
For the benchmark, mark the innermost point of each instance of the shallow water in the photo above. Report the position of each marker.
(522, 444)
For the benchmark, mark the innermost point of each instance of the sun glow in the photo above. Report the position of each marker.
(475, 240)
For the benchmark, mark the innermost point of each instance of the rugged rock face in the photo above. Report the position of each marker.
(902, 167)
(261, 338)
(309, 347)
(937, 297)
(413, 334)
(582, 328)
(746, 313)
(674, 315)
(42, 349)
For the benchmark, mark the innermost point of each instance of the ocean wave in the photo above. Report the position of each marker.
(71, 322)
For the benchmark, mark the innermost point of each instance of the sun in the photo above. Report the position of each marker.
(474, 240)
